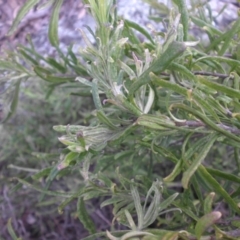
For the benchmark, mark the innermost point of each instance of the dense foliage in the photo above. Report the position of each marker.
(160, 140)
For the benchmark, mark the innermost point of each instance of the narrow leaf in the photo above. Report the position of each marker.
(14, 103)
(52, 62)
(84, 217)
(40, 189)
(207, 121)
(11, 231)
(218, 60)
(95, 94)
(208, 202)
(218, 188)
(200, 23)
(229, 36)
(138, 206)
(182, 6)
(42, 173)
(56, 79)
(53, 26)
(223, 175)
(161, 234)
(206, 221)
(104, 119)
(21, 14)
(167, 202)
(84, 81)
(219, 87)
(174, 50)
(198, 160)
(175, 172)
(139, 29)
(27, 56)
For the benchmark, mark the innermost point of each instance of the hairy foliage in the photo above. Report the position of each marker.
(162, 144)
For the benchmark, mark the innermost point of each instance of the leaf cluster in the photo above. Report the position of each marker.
(166, 109)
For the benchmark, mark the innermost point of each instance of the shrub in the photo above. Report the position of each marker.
(165, 129)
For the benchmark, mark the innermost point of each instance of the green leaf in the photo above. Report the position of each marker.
(77, 194)
(210, 59)
(223, 175)
(103, 234)
(175, 172)
(161, 234)
(42, 71)
(185, 92)
(218, 188)
(45, 5)
(114, 200)
(56, 79)
(229, 35)
(28, 57)
(157, 124)
(11, 231)
(200, 23)
(128, 70)
(159, 6)
(71, 156)
(130, 235)
(46, 74)
(104, 119)
(42, 173)
(183, 70)
(130, 220)
(207, 121)
(14, 102)
(32, 52)
(139, 29)
(53, 25)
(129, 33)
(198, 160)
(152, 211)
(52, 62)
(167, 84)
(21, 14)
(219, 87)
(95, 94)
(122, 135)
(184, 16)
(186, 210)
(167, 202)
(138, 206)
(84, 81)
(174, 50)
(47, 192)
(206, 221)
(84, 217)
(208, 202)
(11, 64)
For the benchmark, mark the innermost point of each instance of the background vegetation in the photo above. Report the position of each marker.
(148, 130)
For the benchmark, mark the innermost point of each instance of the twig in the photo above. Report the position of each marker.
(220, 75)
(190, 124)
(230, 129)
(233, 233)
(98, 212)
(201, 124)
